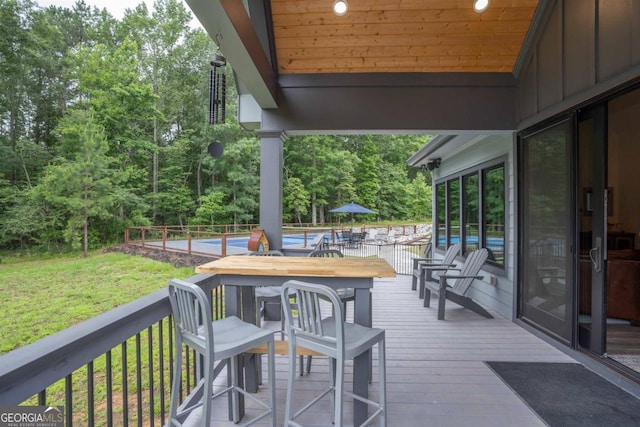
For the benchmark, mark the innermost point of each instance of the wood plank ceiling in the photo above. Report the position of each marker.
(399, 36)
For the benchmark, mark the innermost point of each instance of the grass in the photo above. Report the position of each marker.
(44, 296)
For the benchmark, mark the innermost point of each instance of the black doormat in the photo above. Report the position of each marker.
(568, 394)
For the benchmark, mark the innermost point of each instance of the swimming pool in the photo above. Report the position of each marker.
(243, 241)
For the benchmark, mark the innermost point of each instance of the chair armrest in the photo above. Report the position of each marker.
(444, 277)
(439, 267)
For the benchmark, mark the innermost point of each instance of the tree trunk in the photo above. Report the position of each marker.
(155, 171)
(85, 231)
(199, 181)
(313, 208)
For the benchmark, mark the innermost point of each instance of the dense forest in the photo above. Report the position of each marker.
(103, 125)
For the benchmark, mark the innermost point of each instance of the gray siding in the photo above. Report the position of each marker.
(582, 49)
(479, 150)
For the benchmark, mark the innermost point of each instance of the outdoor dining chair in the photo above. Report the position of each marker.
(221, 340)
(334, 338)
(271, 294)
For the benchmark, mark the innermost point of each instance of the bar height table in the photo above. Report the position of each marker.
(241, 274)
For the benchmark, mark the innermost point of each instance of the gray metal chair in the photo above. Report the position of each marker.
(271, 294)
(267, 294)
(213, 341)
(346, 294)
(334, 338)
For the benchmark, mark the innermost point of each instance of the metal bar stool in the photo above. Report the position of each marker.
(334, 338)
(213, 341)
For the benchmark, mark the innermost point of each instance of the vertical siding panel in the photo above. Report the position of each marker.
(635, 33)
(550, 61)
(579, 46)
(614, 37)
(526, 89)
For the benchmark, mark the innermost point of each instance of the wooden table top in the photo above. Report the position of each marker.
(246, 265)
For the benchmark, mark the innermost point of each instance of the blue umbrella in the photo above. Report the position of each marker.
(352, 208)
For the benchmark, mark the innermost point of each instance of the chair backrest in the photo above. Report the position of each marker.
(473, 264)
(191, 314)
(326, 253)
(428, 248)
(317, 241)
(266, 253)
(451, 253)
(448, 259)
(311, 330)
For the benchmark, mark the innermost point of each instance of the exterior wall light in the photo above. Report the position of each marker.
(480, 5)
(433, 164)
(340, 7)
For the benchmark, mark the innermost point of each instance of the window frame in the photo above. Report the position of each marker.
(479, 170)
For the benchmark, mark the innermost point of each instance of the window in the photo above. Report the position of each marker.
(441, 212)
(471, 221)
(470, 208)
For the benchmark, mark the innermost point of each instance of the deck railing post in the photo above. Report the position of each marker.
(223, 241)
(164, 239)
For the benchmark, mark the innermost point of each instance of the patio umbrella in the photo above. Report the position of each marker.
(351, 208)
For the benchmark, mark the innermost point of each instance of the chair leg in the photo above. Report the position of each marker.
(235, 405)
(339, 394)
(442, 299)
(288, 411)
(309, 364)
(175, 386)
(207, 391)
(332, 384)
(382, 372)
(272, 381)
(427, 298)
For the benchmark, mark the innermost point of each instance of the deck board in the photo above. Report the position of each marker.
(436, 373)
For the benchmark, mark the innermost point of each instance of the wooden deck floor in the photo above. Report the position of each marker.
(436, 373)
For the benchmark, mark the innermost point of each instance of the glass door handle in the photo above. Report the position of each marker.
(594, 254)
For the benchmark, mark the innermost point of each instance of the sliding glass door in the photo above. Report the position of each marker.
(546, 273)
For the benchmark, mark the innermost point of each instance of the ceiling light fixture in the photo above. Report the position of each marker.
(340, 7)
(480, 5)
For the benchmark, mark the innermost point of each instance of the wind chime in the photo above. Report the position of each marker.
(217, 98)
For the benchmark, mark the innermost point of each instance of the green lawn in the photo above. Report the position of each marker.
(44, 296)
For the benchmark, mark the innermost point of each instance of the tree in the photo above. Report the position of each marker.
(83, 189)
(420, 199)
(212, 209)
(296, 198)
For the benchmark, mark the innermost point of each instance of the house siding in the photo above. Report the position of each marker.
(498, 297)
(583, 49)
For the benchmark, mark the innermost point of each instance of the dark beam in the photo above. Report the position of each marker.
(230, 27)
(395, 103)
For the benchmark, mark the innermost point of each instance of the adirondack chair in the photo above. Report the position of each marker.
(429, 269)
(455, 286)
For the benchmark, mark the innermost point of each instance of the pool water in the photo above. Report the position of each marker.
(243, 241)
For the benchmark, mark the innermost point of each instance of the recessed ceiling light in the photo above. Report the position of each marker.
(480, 5)
(340, 7)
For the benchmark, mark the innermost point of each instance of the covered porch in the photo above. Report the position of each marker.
(436, 371)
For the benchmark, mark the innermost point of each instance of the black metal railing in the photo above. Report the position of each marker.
(116, 369)
(112, 370)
